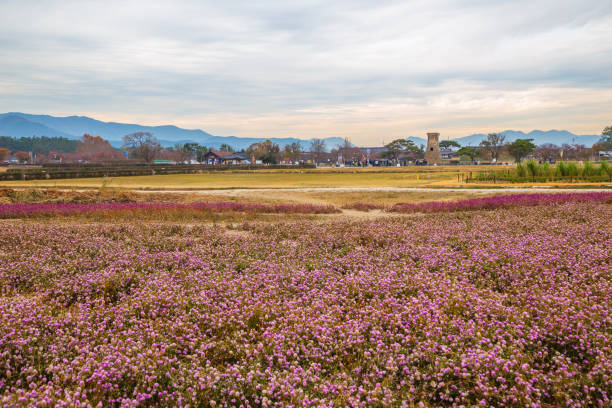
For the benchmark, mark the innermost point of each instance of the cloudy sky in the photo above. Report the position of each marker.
(368, 70)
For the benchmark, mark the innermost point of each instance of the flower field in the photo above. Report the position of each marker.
(505, 201)
(508, 307)
(152, 209)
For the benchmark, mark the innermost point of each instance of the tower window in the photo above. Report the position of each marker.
(431, 149)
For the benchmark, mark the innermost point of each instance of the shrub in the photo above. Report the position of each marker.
(545, 170)
(605, 169)
(532, 168)
(588, 169)
(521, 171)
(561, 170)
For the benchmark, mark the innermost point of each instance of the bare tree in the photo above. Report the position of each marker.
(317, 148)
(547, 151)
(184, 151)
(142, 145)
(346, 145)
(494, 143)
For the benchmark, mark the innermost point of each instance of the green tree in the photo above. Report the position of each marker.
(521, 148)
(37, 144)
(200, 152)
(468, 152)
(398, 146)
(226, 148)
(447, 144)
(605, 143)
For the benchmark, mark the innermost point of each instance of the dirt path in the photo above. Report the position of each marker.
(370, 189)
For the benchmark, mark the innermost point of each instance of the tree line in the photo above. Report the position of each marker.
(143, 146)
(41, 144)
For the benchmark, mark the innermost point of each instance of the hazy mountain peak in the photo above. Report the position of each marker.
(75, 126)
(19, 124)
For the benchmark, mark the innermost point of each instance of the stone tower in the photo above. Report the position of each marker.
(432, 154)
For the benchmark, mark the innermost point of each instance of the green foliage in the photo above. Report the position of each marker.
(545, 170)
(226, 148)
(605, 143)
(572, 169)
(399, 146)
(521, 148)
(561, 170)
(449, 143)
(468, 152)
(532, 171)
(533, 168)
(41, 144)
(521, 171)
(605, 169)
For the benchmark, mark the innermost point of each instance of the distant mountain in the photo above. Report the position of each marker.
(539, 137)
(18, 124)
(418, 140)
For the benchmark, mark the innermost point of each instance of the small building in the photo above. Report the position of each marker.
(605, 154)
(447, 154)
(220, 157)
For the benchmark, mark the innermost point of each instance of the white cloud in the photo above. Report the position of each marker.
(309, 68)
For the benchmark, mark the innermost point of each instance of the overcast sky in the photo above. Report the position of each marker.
(368, 70)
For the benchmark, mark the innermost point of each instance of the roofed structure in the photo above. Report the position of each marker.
(221, 157)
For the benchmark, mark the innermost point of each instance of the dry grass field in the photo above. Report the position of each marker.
(346, 188)
(335, 198)
(324, 177)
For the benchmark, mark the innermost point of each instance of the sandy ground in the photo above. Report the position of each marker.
(231, 192)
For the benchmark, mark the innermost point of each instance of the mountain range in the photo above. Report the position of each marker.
(17, 124)
(540, 137)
